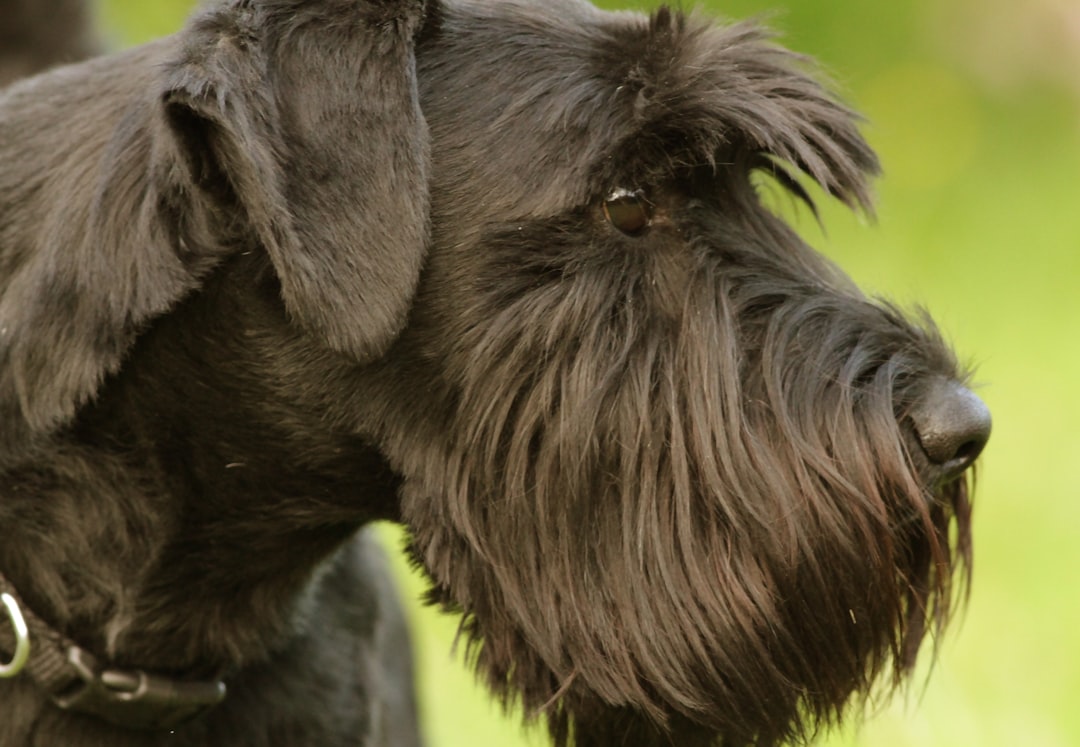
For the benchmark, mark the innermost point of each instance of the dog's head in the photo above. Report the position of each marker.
(684, 481)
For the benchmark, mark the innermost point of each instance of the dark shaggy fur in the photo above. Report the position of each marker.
(306, 265)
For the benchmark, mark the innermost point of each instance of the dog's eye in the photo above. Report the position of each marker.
(630, 212)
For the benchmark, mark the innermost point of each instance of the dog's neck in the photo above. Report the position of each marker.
(185, 522)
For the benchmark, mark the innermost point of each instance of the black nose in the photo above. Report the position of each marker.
(953, 426)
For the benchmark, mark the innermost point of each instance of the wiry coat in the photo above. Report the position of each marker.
(308, 265)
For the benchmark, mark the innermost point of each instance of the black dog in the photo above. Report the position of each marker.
(498, 270)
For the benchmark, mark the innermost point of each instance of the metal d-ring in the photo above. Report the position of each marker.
(22, 638)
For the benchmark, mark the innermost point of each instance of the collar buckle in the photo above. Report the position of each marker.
(22, 638)
(132, 698)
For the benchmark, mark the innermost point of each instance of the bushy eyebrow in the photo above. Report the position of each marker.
(689, 91)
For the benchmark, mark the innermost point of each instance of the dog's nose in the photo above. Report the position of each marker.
(952, 425)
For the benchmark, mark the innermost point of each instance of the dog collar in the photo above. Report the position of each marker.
(75, 681)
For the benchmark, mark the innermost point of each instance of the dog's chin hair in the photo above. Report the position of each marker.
(634, 535)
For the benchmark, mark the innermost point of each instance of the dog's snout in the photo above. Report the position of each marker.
(952, 425)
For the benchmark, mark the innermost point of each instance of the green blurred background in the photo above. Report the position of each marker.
(974, 106)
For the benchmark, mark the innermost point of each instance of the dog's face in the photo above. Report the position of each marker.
(678, 482)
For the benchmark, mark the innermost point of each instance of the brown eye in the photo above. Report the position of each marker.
(630, 212)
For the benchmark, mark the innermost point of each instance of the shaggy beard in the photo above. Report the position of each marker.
(689, 513)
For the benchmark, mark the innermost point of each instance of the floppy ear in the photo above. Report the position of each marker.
(284, 124)
(304, 118)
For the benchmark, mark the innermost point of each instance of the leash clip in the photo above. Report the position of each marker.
(135, 699)
(22, 638)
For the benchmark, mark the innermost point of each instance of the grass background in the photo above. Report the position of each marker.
(974, 106)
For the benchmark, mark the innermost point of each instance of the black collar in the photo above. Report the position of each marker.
(75, 681)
